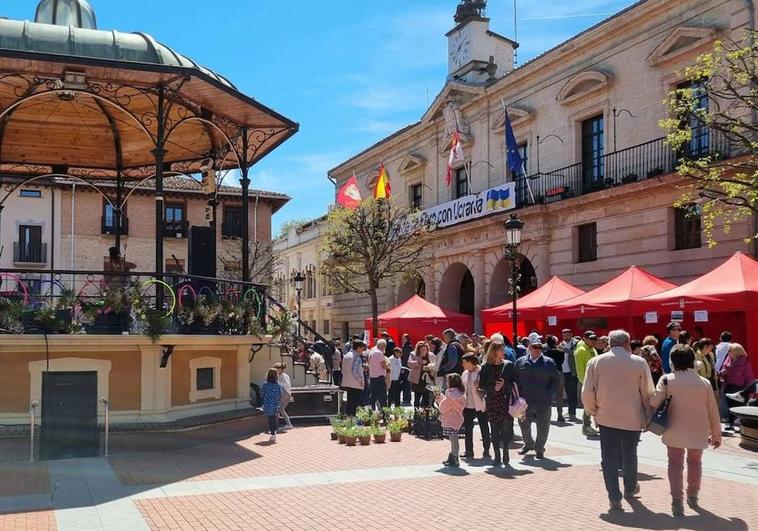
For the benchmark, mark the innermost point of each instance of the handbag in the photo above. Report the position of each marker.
(660, 420)
(517, 408)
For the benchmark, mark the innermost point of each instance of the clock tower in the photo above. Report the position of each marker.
(476, 54)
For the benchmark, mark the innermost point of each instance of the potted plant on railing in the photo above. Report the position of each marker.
(380, 434)
(152, 322)
(200, 318)
(364, 435)
(396, 428)
(109, 313)
(629, 178)
(10, 316)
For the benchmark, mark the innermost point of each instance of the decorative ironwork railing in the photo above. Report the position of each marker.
(102, 302)
(625, 166)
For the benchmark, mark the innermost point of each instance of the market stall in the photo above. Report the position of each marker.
(531, 310)
(726, 298)
(419, 317)
(609, 305)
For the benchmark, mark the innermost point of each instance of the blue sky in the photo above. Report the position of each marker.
(349, 71)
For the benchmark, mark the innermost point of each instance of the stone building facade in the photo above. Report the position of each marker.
(585, 115)
(298, 250)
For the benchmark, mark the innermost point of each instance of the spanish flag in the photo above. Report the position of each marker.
(383, 189)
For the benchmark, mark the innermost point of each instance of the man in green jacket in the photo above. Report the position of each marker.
(584, 352)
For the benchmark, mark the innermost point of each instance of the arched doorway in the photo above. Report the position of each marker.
(500, 285)
(412, 286)
(457, 289)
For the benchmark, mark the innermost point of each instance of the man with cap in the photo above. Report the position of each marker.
(583, 353)
(538, 381)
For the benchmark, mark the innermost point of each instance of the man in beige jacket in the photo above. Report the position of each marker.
(617, 390)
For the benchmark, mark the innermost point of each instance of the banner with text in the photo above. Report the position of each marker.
(498, 199)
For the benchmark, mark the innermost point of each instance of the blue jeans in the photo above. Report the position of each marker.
(618, 449)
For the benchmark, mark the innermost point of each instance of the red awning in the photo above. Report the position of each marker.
(419, 317)
(532, 306)
(614, 298)
(732, 286)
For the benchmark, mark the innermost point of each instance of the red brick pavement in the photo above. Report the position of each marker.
(299, 451)
(33, 521)
(572, 498)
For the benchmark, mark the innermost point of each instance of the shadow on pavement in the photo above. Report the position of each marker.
(448, 471)
(507, 472)
(644, 518)
(545, 463)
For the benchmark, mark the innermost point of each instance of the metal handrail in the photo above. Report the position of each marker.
(107, 405)
(32, 407)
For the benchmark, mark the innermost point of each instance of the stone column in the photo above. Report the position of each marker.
(480, 302)
(155, 384)
(243, 376)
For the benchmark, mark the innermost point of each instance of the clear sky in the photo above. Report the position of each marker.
(349, 71)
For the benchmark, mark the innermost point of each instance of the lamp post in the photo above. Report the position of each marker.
(513, 229)
(616, 114)
(539, 143)
(298, 280)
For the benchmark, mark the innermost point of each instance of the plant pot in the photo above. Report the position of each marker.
(350, 440)
(380, 439)
(396, 436)
(341, 438)
(334, 436)
(111, 323)
(365, 441)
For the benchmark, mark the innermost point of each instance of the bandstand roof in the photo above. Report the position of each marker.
(84, 102)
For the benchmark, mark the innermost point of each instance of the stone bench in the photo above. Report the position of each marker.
(748, 416)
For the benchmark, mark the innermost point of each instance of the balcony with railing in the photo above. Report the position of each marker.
(176, 229)
(108, 226)
(626, 166)
(231, 229)
(29, 253)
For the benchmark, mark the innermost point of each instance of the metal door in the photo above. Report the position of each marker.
(69, 415)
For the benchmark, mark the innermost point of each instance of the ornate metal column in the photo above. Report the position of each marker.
(159, 152)
(245, 182)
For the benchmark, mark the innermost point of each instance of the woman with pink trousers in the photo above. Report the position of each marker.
(693, 424)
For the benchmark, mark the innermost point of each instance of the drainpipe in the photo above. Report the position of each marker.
(52, 226)
(255, 219)
(73, 218)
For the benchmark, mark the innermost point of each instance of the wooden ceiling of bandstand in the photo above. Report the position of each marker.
(49, 125)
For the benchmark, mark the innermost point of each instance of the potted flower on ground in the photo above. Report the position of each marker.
(380, 435)
(364, 435)
(351, 436)
(336, 422)
(396, 428)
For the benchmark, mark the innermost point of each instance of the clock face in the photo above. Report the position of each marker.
(460, 48)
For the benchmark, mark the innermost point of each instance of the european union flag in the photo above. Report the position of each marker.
(515, 162)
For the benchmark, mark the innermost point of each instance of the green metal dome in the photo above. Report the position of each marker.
(68, 28)
(76, 13)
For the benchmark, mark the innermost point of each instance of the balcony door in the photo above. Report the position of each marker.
(593, 149)
(29, 244)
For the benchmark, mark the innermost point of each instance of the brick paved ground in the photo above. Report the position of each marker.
(569, 499)
(297, 483)
(31, 521)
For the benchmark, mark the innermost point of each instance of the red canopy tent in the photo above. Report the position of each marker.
(729, 295)
(610, 305)
(418, 317)
(530, 308)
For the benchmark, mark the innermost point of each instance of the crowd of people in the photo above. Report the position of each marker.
(621, 382)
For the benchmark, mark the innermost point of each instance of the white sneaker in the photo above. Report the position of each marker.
(272, 438)
(737, 397)
(288, 427)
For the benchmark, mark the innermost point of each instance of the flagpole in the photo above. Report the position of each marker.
(465, 166)
(523, 166)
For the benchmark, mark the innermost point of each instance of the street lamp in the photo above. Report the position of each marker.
(513, 229)
(298, 280)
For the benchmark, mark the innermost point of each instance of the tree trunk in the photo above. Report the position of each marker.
(374, 314)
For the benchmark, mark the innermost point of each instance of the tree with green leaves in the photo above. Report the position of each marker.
(375, 242)
(721, 101)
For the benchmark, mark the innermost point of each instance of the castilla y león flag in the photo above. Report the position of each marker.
(349, 196)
